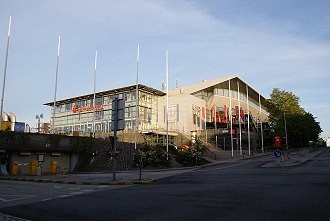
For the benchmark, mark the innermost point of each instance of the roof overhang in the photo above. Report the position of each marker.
(141, 87)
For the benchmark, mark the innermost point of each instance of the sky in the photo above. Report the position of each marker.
(269, 44)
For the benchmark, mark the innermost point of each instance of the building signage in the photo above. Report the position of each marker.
(76, 109)
(173, 113)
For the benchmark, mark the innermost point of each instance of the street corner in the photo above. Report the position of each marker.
(57, 179)
(144, 181)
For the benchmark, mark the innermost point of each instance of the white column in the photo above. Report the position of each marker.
(56, 77)
(239, 119)
(261, 130)
(231, 121)
(248, 110)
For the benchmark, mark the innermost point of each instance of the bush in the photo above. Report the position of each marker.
(153, 156)
(192, 157)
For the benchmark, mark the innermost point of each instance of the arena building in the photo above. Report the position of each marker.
(198, 109)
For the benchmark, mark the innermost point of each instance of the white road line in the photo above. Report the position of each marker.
(10, 198)
(88, 190)
(46, 199)
(74, 188)
(64, 196)
(76, 193)
(221, 168)
(102, 186)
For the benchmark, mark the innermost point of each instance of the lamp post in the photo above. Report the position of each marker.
(38, 117)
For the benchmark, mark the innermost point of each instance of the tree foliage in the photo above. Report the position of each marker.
(284, 110)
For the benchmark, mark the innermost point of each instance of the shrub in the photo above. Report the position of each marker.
(194, 156)
(153, 156)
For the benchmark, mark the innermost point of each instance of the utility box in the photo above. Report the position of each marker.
(278, 142)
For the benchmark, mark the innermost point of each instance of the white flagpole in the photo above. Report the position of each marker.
(231, 122)
(94, 103)
(215, 118)
(136, 128)
(58, 59)
(167, 104)
(261, 131)
(5, 72)
(248, 110)
(239, 120)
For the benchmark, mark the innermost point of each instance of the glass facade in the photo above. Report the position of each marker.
(80, 113)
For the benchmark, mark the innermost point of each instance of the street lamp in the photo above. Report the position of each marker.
(38, 117)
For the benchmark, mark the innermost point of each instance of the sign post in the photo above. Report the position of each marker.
(117, 123)
(278, 144)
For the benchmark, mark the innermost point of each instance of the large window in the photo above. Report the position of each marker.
(99, 101)
(99, 115)
(68, 107)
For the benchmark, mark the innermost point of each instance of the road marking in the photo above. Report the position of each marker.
(102, 186)
(231, 166)
(76, 193)
(10, 198)
(88, 190)
(74, 188)
(46, 199)
(221, 168)
(64, 196)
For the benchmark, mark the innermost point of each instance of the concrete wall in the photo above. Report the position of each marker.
(23, 159)
(183, 120)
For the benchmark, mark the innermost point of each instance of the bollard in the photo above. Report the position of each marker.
(53, 167)
(14, 168)
(33, 167)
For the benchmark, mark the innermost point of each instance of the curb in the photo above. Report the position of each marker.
(126, 182)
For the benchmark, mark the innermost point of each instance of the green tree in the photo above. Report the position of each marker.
(284, 108)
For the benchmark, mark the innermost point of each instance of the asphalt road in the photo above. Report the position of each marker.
(240, 190)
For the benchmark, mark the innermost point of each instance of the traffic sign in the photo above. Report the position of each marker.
(277, 153)
(118, 114)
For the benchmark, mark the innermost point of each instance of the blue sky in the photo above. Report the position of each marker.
(269, 44)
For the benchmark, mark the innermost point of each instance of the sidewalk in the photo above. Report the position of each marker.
(148, 176)
(294, 159)
(122, 177)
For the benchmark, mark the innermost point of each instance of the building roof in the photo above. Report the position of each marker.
(211, 84)
(142, 88)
